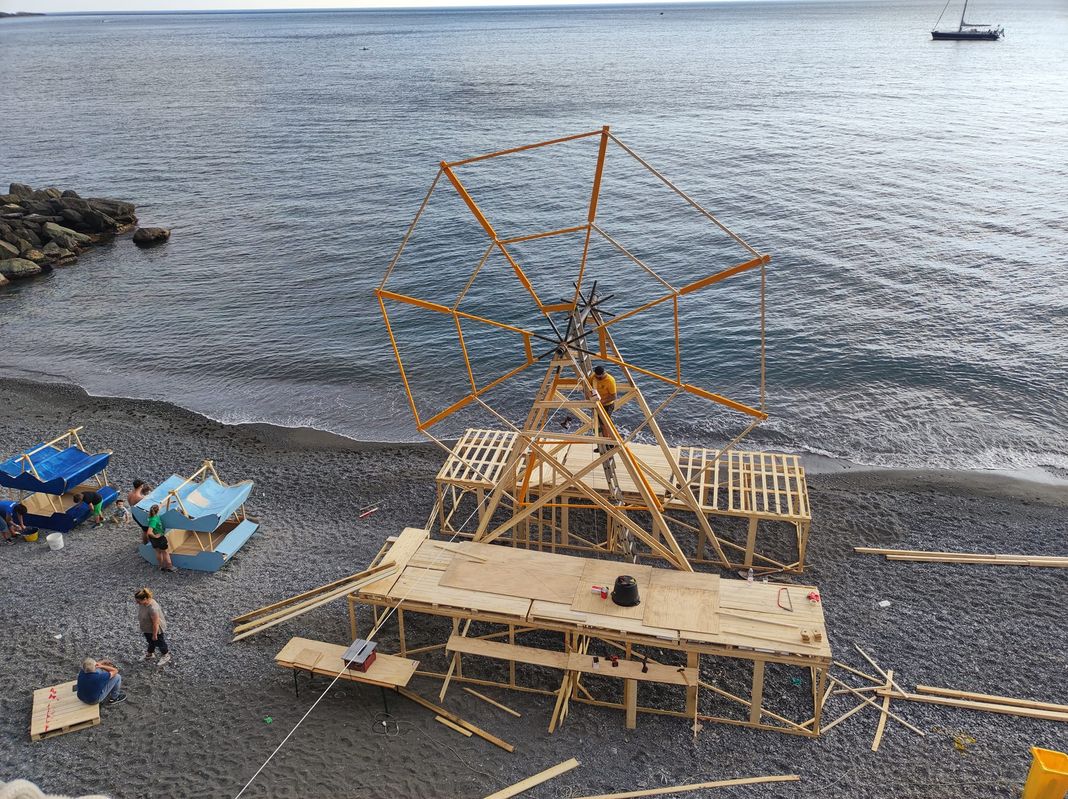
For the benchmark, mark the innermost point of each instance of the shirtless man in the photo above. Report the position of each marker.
(141, 489)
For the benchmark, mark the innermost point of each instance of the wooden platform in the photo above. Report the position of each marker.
(57, 710)
(761, 487)
(319, 657)
(693, 614)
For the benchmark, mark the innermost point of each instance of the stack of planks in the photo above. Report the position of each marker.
(1040, 561)
(256, 621)
(986, 702)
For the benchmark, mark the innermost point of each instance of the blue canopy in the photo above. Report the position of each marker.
(60, 470)
(209, 503)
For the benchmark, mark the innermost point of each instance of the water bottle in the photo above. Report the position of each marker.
(749, 576)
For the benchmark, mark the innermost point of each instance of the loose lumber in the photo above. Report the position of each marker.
(988, 707)
(493, 702)
(991, 699)
(874, 704)
(309, 594)
(825, 728)
(852, 670)
(882, 716)
(437, 709)
(1042, 561)
(534, 779)
(266, 622)
(57, 710)
(878, 668)
(462, 730)
(695, 786)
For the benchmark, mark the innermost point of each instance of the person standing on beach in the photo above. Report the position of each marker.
(153, 625)
(157, 537)
(141, 489)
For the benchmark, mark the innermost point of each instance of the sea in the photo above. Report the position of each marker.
(912, 195)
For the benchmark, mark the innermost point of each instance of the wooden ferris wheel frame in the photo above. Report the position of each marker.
(655, 488)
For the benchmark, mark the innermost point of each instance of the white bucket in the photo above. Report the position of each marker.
(55, 541)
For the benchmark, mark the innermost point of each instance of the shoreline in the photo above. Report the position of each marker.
(963, 626)
(1041, 485)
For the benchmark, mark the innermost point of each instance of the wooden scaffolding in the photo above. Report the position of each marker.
(531, 613)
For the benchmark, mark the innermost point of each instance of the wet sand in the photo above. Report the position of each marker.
(198, 727)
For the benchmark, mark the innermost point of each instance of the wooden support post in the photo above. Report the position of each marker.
(352, 618)
(882, 716)
(758, 692)
(400, 632)
(750, 541)
(693, 661)
(630, 699)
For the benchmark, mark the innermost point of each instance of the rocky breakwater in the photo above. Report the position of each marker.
(44, 228)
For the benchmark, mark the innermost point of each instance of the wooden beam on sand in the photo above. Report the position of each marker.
(874, 704)
(920, 556)
(886, 709)
(493, 702)
(695, 786)
(991, 699)
(534, 779)
(988, 707)
(440, 711)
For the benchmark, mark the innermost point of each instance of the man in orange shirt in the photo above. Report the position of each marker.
(605, 385)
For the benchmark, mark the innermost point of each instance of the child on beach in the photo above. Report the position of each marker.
(121, 514)
(96, 508)
(141, 489)
(157, 537)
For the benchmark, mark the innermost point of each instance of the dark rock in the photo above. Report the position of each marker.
(37, 206)
(56, 254)
(64, 236)
(41, 219)
(6, 232)
(8, 250)
(73, 203)
(35, 255)
(11, 208)
(71, 193)
(19, 267)
(8, 198)
(72, 218)
(28, 232)
(20, 190)
(53, 192)
(24, 247)
(116, 209)
(96, 222)
(150, 236)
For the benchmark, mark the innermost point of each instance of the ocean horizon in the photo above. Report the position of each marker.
(912, 195)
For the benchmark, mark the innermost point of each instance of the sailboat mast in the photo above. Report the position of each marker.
(963, 14)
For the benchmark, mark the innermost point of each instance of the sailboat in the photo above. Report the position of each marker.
(968, 30)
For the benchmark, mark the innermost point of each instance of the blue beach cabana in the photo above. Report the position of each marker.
(49, 474)
(204, 518)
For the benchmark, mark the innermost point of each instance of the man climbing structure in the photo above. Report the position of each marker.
(605, 386)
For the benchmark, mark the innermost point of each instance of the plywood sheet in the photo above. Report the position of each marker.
(423, 585)
(605, 572)
(400, 553)
(554, 611)
(763, 598)
(683, 600)
(513, 572)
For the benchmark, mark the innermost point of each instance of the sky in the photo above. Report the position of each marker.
(54, 6)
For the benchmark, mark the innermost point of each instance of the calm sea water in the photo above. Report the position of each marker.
(913, 195)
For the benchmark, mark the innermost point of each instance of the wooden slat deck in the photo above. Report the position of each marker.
(766, 485)
(319, 657)
(57, 710)
(680, 608)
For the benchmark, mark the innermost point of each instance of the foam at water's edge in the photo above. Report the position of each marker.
(309, 437)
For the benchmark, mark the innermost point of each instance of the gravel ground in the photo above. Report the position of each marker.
(198, 728)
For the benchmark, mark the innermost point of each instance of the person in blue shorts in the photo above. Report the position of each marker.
(99, 681)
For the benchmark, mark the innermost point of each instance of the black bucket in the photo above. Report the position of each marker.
(626, 591)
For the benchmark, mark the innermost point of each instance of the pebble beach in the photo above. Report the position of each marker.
(201, 726)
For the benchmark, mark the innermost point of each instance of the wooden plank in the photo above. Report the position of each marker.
(306, 595)
(554, 611)
(481, 733)
(400, 553)
(758, 692)
(1048, 561)
(869, 701)
(605, 572)
(688, 601)
(57, 710)
(535, 779)
(501, 651)
(452, 726)
(493, 702)
(388, 671)
(991, 698)
(694, 786)
(422, 585)
(882, 716)
(554, 578)
(987, 707)
(630, 702)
